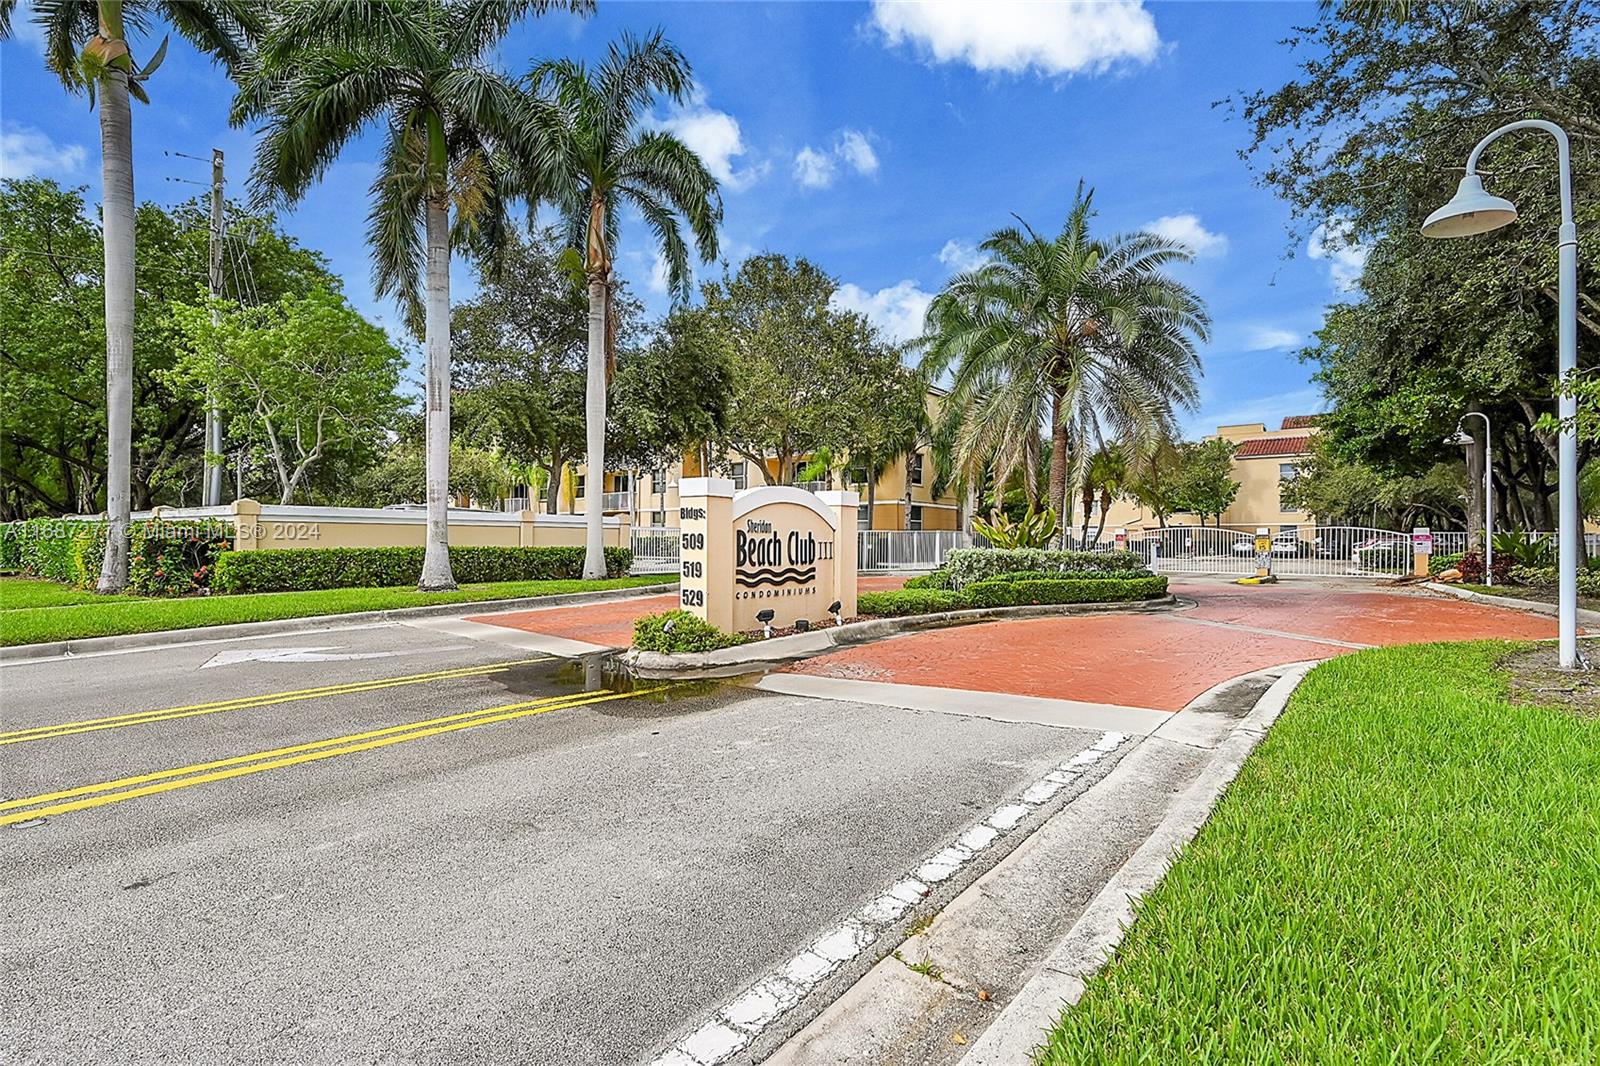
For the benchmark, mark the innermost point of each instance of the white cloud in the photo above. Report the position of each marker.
(1016, 36)
(25, 151)
(813, 169)
(961, 257)
(716, 138)
(898, 310)
(1258, 338)
(1187, 230)
(658, 275)
(851, 148)
(1346, 257)
(856, 152)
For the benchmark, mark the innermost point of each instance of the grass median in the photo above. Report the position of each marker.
(1406, 870)
(34, 612)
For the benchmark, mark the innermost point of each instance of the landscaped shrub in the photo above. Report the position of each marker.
(688, 633)
(1438, 564)
(1071, 575)
(54, 548)
(937, 579)
(175, 558)
(967, 565)
(1548, 577)
(895, 603)
(305, 569)
(1064, 590)
(1471, 567)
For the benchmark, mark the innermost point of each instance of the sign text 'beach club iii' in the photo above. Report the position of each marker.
(774, 549)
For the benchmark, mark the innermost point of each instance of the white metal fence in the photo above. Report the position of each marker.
(907, 549)
(655, 549)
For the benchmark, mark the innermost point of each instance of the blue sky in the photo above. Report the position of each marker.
(881, 141)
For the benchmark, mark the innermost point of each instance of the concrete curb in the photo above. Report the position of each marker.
(745, 657)
(1020, 1028)
(1534, 606)
(25, 653)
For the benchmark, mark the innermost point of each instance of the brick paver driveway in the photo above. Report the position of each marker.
(1162, 661)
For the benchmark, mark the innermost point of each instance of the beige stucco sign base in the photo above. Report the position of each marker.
(774, 548)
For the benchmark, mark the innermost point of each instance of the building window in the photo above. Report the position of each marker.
(1286, 475)
(658, 479)
(658, 518)
(619, 482)
(577, 484)
(856, 475)
(915, 521)
(741, 476)
(916, 468)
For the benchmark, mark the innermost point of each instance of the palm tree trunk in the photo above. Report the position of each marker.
(1058, 467)
(1105, 506)
(436, 573)
(116, 175)
(594, 407)
(872, 497)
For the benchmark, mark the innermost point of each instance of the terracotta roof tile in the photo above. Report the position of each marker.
(1268, 446)
(1300, 421)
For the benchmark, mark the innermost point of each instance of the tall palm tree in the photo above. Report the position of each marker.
(327, 69)
(1088, 336)
(597, 154)
(86, 45)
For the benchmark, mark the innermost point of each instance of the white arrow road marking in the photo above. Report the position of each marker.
(325, 654)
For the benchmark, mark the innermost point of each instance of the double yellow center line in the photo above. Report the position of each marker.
(49, 804)
(241, 703)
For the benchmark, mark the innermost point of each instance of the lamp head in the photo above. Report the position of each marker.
(1470, 211)
(1461, 437)
(765, 616)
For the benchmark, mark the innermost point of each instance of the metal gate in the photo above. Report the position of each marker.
(655, 550)
(1297, 551)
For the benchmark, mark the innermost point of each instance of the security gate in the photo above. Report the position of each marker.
(655, 550)
(1297, 551)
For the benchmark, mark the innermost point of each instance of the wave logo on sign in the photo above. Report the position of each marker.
(763, 557)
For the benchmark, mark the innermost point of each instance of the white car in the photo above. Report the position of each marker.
(1284, 544)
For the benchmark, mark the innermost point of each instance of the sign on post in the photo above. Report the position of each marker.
(1421, 549)
(776, 548)
(1263, 552)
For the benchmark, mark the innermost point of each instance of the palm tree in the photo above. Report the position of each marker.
(327, 69)
(86, 46)
(1087, 336)
(1105, 474)
(596, 156)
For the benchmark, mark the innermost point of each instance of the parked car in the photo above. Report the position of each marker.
(1284, 545)
(1383, 553)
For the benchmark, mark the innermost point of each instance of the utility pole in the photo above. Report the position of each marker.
(212, 497)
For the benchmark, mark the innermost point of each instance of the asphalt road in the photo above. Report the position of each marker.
(451, 850)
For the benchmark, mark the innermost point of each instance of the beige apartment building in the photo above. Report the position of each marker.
(1264, 461)
(903, 497)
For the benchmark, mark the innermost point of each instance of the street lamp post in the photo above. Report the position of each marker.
(1472, 211)
(1464, 438)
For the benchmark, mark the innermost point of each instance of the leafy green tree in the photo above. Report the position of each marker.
(86, 45)
(794, 355)
(1156, 481)
(672, 395)
(1105, 477)
(518, 349)
(1087, 335)
(298, 377)
(1348, 493)
(884, 418)
(401, 477)
(597, 152)
(1365, 140)
(1205, 483)
(52, 340)
(325, 70)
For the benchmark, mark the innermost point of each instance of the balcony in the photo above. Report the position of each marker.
(613, 502)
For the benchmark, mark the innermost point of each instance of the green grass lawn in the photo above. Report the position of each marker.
(1406, 871)
(32, 611)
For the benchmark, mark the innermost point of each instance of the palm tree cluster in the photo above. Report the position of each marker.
(1087, 340)
(463, 143)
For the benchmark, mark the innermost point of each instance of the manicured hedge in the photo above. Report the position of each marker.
(967, 565)
(54, 548)
(897, 602)
(688, 633)
(936, 579)
(1012, 590)
(1064, 590)
(165, 557)
(1438, 564)
(306, 569)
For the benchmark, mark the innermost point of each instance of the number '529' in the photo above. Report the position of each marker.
(694, 598)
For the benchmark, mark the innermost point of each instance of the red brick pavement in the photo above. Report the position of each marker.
(1163, 661)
